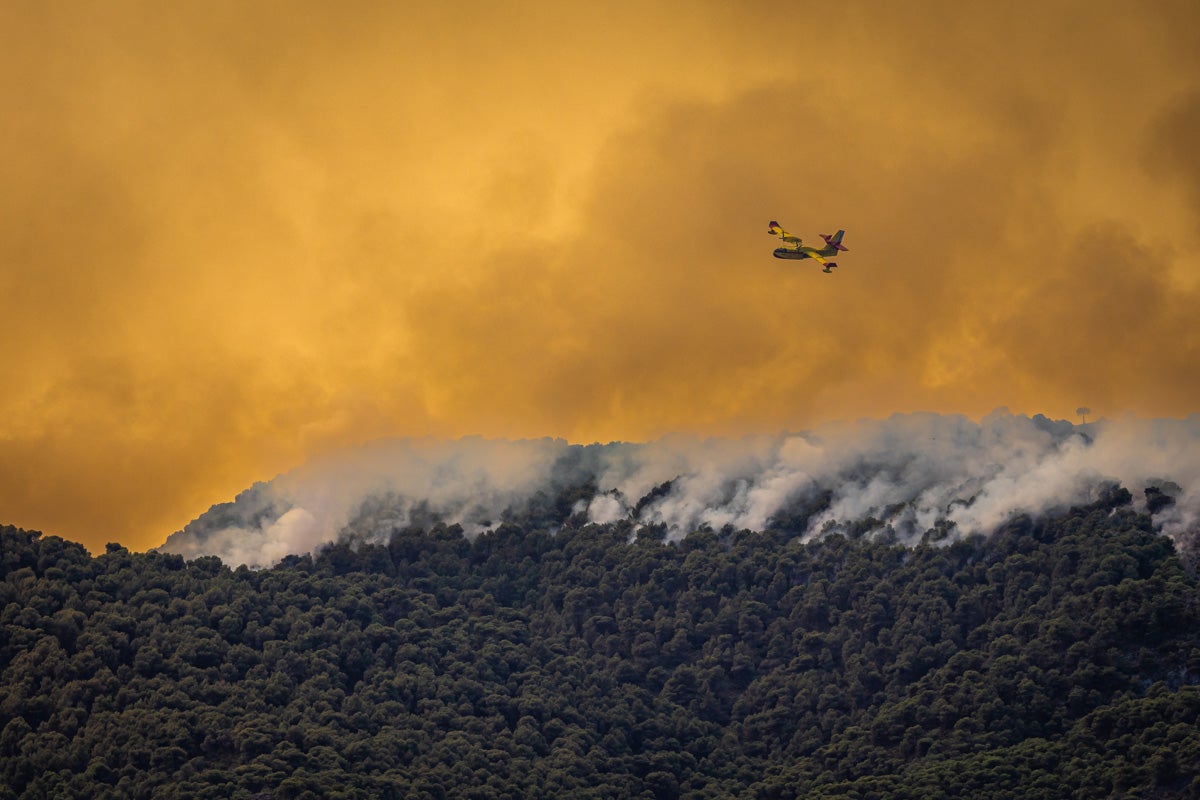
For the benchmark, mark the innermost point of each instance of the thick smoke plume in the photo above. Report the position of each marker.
(909, 477)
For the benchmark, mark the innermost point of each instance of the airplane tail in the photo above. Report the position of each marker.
(835, 241)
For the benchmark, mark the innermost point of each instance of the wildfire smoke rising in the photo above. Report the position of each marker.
(903, 475)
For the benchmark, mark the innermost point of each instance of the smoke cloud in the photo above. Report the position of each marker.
(902, 477)
(235, 236)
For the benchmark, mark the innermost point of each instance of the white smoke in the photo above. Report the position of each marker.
(902, 475)
(469, 482)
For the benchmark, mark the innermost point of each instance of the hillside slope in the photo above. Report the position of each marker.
(1059, 657)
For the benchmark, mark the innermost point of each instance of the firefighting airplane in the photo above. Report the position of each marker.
(794, 248)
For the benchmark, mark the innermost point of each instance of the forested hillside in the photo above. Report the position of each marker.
(1059, 657)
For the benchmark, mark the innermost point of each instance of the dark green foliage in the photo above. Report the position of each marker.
(1057, 658)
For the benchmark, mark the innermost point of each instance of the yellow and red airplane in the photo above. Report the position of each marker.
(793, 247)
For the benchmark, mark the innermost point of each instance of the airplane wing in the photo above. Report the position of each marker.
(818, 259)
(775, 229)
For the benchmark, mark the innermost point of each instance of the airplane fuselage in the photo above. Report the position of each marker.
(805, 252)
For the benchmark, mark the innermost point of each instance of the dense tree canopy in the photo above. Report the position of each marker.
(1057, 658)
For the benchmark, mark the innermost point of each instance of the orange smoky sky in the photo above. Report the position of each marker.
(236, 235)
